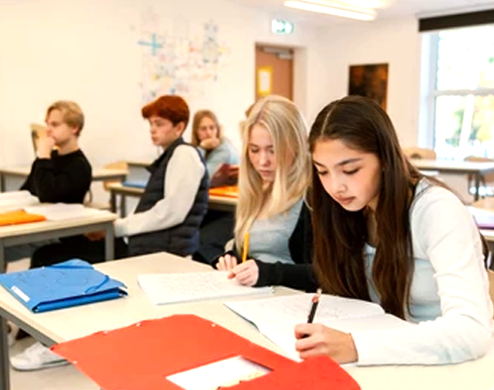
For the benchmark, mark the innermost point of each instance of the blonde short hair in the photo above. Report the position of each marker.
(71, 112)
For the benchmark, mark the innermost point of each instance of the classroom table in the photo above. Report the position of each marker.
(99, 174)
(46, 230)
(62, 325)
(215, 202)
(477, 169)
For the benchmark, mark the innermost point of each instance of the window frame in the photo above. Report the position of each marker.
(433, 93)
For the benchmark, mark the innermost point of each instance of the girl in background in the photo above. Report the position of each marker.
(208, 138)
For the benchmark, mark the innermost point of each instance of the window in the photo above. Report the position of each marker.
(462, 92)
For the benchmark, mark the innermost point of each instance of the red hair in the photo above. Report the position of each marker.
(170, 107)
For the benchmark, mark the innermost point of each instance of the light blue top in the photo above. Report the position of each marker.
(449, 293)
(225, 153)
(269, 237)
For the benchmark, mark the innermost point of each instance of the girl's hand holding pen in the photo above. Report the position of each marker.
(317, 339)
(246, 273)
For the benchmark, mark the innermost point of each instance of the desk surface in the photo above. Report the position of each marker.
(76, 322)
(454, 166)
(98, 173)
(140, 164)
(120, 189)
(48, 226)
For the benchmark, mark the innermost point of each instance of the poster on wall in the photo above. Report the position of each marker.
(370, 81)
(264, 80)
(182, 58)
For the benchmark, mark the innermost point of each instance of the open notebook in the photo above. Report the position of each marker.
(188, 287)
(276, 317)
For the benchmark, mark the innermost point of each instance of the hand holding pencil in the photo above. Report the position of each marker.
(317, 339)
(247, 272)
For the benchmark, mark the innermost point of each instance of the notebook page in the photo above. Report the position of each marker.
(276, 317)
(293, 309)
(187, 287)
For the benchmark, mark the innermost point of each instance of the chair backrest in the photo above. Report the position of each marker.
(114, 165)
(37, 131)
(420, 153)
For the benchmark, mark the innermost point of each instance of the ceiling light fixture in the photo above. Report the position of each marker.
(330, 8)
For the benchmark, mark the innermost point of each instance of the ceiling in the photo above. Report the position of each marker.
(387, 9)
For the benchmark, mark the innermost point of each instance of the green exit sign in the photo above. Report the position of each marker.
(281, 26)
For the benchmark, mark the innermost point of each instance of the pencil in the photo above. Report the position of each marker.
(313, 308)
(246, 247)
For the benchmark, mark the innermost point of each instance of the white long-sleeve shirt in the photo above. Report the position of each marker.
(183, 178)
(449, 292)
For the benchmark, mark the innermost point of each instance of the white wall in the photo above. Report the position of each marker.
(88, 52)
(396, 42)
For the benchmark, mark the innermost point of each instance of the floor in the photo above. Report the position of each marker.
(57, 378)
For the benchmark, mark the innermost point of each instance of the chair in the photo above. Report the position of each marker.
(105, 206)
(484, 190)
(420, 153)
(37, 131)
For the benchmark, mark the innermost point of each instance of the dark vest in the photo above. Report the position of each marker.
(183, 239)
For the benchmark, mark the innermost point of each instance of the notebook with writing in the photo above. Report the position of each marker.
(70, 283)
(194, 286)
(276, 317)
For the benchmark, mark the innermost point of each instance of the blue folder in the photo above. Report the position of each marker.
(71, 283)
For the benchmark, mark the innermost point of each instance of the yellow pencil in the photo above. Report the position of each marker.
(246, 247)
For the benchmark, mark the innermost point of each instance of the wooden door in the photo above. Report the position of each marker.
(274, 71)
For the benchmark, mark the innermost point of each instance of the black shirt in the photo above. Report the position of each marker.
(301, 275)
(63, 179)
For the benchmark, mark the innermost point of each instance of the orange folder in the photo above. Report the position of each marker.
(143, 355)
(229, 191)
(18, 217)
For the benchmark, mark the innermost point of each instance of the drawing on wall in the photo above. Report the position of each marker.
(178, 59)
(370, 81)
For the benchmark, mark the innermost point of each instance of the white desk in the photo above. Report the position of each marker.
(62, 325)
(222, 203)
(477, 169)
(40, 231)
(99, 174)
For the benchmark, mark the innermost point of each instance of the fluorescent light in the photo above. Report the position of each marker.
(351, 12)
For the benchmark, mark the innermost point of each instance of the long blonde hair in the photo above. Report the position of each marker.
(288, 130)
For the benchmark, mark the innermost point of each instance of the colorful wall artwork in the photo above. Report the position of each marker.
(178, 59)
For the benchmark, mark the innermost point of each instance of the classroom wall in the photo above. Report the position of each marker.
(88, 52)
(394, 41)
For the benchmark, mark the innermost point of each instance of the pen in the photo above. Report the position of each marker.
(313, 308)
(246, 247)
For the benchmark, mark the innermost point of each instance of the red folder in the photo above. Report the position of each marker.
(143, 355)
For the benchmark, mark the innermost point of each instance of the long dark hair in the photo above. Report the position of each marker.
(339, 235)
